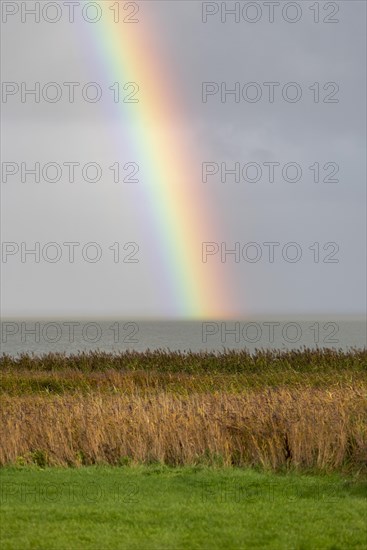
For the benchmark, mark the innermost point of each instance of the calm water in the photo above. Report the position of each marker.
(44, 336)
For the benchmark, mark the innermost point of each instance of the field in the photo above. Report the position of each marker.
(227, 450)
(148, 507)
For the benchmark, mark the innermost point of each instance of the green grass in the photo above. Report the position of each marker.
(175, 508)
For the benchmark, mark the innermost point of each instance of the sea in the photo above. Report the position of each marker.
(43, 336)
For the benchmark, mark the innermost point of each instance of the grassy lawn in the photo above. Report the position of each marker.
(146, 507)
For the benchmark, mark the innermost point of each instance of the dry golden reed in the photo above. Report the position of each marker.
(305, 428)
(303, 410)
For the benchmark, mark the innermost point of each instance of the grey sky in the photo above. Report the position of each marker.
(305, 132)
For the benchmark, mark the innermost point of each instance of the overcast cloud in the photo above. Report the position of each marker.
(303, 132)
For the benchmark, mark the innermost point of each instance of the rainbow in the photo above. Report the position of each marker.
(182, 218)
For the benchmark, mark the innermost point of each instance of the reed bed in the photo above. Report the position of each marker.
(301, 410)
(133, 383)
(305, 428)
(228, 361)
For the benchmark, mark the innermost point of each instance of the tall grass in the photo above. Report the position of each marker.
(305, 428)
(292, 409)
(228, 361)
